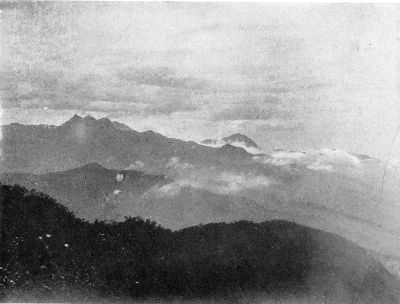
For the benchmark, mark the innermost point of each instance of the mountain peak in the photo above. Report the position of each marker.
(240, 138)
(105, 122)
(90, 121)
(89, 118)
(236, 139)
(74, 119)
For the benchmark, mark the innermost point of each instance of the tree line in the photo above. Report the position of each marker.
(47, 251)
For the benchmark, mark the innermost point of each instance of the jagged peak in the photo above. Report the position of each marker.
(238, 135)
(105, 122)
(89, 118)
(73, 119)
(104, 119)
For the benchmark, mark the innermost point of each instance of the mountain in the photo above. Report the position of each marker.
(328, 189)
(48, 255)
(81, 140)
(177, 207)
(94, 192)
(238, 140)
(91, 191)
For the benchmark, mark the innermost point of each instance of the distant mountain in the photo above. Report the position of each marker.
(237, 139)
(240, 138)
(94, 192)
(181, 207)
(48, 255)
(81, 140)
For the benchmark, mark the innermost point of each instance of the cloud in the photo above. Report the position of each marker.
(170, 107)
(320, 166)
(110, 106)
(170, 189)
(64, 91)
(218, 182)
(324, 159)
(228, 182)
(38, 89)
(278, 124)
(246, 112)
(240, 144)
(257, 127)
(279, 90)
(329, 67)
(175, 163)
(136, 165)
(393, 163)
(159, 77)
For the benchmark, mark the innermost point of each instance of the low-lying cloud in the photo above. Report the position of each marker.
(221, 183)
(220, 143)
(325, 159)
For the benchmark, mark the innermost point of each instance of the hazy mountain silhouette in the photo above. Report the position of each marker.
(236, 139)
(79, 141)
(90, 191)
(94, 192)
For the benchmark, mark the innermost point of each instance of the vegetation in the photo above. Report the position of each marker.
(46, 250)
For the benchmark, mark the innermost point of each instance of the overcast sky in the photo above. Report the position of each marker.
(298, 77)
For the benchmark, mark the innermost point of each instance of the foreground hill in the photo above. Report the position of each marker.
(47, 253)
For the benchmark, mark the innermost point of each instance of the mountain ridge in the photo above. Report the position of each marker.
(95, 192)
(38, 149)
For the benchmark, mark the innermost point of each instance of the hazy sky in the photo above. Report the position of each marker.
(300, 77)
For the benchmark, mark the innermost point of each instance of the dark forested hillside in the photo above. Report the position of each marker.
(46, 252)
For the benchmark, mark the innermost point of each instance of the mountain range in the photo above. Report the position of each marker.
(83, 140)
(182, 183)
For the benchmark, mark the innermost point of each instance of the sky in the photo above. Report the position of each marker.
(300, 76)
